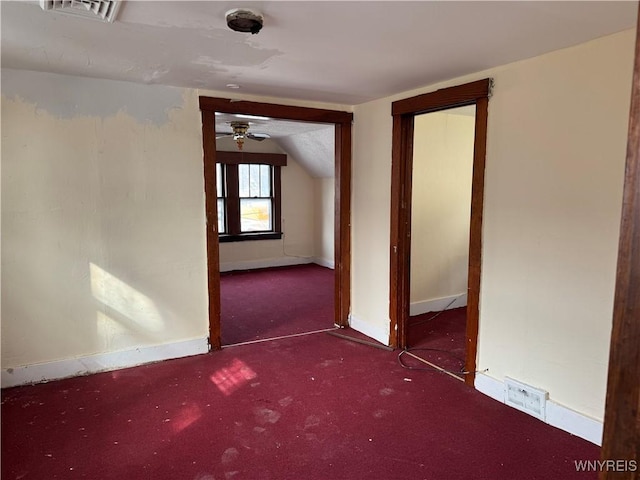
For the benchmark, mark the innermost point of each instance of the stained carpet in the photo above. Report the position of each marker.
(313, 407)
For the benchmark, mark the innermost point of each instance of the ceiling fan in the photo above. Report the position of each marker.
(239, 133)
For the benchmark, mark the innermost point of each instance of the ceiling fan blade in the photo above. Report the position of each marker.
(258, 136)
(224, 135)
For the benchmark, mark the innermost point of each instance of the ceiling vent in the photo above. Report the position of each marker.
(105, 10)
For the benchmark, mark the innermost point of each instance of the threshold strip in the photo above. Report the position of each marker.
(359, 340)
(434, 366)
(262, 340)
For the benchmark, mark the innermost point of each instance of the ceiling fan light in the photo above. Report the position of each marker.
(239, 132)
(239, 129)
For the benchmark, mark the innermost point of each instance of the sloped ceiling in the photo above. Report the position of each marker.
(311, 144)
(314, 150)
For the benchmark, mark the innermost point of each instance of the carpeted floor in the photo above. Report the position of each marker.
(272, 302)
(312, 407)
(438, 338)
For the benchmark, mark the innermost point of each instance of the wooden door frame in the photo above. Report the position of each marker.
(404, 112)
(342, 231)
(621, 436)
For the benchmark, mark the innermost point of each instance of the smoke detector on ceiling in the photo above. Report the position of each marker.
(244, 20)
(105, 10)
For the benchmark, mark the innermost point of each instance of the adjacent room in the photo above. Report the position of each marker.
(276, 260)
(440, 224)
(319, 240)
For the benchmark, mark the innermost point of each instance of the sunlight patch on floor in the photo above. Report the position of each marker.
(231, 378)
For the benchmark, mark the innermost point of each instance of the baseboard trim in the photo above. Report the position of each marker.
(557, 415)
(438, 304)
(381, 334)
(267, 263)
(575, 423)
(44, 372)
(323, 262)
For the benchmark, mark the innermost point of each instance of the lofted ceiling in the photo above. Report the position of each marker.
(328, 51)
(311, 144)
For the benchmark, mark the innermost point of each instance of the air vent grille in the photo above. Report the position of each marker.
(525, 397)
(105, 10)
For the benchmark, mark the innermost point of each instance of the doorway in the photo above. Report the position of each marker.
(404, 115)
(275, 221)
(342, 128)
(440, 222)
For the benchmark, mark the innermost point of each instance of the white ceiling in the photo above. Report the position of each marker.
(339, 52)
(342, 52)
(274, 128)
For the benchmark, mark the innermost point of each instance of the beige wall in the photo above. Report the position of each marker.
(103, 225)
(103, 244)
(109, 174)
(441, 206)
(555, 158)
(298, 218)
(324, 218)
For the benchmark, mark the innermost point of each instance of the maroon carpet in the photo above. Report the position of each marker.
(305, 408)
(273, 302)
(439, 340)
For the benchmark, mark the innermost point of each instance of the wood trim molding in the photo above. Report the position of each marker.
(211, 212)
(232, 200)
(235, 158)
(343, 132)
(284, 112)
(621, 436)
(475, 238)
(404, 112)
(342, 224)
(277, 192)
(401, 170)
(444, 98)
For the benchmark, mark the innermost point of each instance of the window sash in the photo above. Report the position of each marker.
(241, 222)
(256, 215)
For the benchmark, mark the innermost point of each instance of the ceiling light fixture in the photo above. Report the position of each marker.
(239, 132)
(244, 20)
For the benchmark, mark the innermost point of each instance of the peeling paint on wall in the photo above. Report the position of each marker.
(103, 218)
(66, 96)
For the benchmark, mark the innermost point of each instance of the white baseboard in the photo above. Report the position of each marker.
(574, 422)
(557, 415)
(323, 262)
(438, 304)
(381, 334)
(43, 372)
(266, 263)
(489, 386)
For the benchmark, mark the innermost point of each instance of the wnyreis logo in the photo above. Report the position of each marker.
(606, 465)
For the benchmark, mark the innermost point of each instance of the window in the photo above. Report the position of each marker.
(220, 194)
(248, 196)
